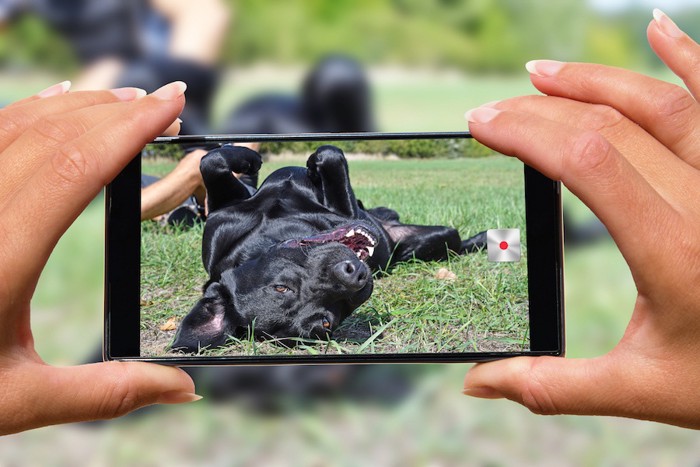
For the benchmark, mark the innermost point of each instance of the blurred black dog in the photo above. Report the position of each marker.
(335, 97)
(295, 258)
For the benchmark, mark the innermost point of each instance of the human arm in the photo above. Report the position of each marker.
(170, 191)
(198, 29)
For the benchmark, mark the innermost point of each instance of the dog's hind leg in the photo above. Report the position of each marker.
(384, 214)
(423, 242)
(328, 171)
(474, 244)
(218, 167)
(429, 243)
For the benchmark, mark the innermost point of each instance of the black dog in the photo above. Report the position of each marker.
(295, 258)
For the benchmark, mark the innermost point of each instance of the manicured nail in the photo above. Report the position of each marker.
(481, 114)
(667, 25)
(543, 68)
(55, 90)
(128, 94)
(482, 393)
(170, 91)
(176, 397)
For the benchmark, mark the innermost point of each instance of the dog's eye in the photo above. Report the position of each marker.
(325, 323)
(282, 288)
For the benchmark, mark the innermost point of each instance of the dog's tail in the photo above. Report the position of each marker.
(474, 244)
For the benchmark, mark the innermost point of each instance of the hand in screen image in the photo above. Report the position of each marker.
(57, 177)
(628, 146)
(179, 197)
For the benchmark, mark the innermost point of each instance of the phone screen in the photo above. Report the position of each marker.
(355, 249)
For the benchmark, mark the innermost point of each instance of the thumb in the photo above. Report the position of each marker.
(101, 390)
(548, 385)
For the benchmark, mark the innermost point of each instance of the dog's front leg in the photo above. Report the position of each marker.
(218, 167)
(328, 171)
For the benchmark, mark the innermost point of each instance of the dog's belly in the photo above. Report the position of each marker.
(277, 230)
(239, 238)
(286, 207)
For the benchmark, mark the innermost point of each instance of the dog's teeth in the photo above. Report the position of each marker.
(358, 254)
(351, 233)
(370, 250)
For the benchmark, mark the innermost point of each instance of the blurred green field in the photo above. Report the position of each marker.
(435, 425)
(402, 99)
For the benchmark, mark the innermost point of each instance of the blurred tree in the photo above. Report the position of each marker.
(478, 35)
(635, 21)
(473, 35)
(28, 42)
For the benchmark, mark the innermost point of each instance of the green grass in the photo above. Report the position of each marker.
(411, 310)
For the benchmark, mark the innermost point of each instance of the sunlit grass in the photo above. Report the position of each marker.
(483, 309)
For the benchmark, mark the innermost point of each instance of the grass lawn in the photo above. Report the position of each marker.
(411, 310)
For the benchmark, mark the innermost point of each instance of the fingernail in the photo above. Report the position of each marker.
(128, 94)
(481, 114)
(482, 393)
(667, 25)
(55, 90)
(177, 397)
(543, 68)
(170, 91)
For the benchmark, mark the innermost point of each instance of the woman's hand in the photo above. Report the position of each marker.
(57, 151)
(629, 147)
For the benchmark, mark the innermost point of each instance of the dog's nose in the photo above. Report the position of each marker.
(351, 273)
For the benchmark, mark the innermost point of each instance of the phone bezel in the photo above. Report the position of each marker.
(122, 258)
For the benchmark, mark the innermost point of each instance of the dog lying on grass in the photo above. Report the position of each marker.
(293, 259)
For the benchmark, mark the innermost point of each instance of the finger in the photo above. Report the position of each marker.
(21, 159)
(54, 90)
(678, 51)
(589, 166)
(73, 174)
(173, 129)
(666, 111)
(52, 395)
(667, 174)
(16, 119)
(618, 384)
(546, 385)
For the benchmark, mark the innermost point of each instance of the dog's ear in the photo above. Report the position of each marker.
(209, 323)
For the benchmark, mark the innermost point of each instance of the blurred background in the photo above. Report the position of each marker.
(417, 65)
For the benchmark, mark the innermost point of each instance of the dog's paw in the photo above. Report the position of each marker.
(239, 159)
(326, 158)
(329, 155)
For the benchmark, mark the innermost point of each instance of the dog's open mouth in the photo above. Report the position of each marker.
(357, 237)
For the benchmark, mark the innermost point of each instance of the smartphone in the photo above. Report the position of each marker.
(332, 248)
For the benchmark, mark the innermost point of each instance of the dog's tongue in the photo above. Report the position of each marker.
(360, 241)
(356, 237)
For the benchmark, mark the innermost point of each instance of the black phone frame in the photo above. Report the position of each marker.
(543, 213)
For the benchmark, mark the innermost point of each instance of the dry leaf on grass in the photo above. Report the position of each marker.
(445, 274)
(170, 325)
